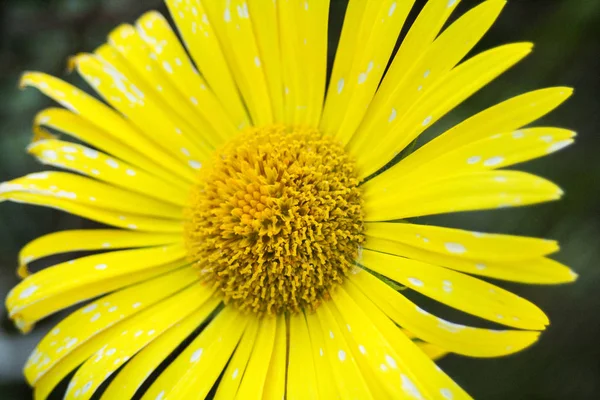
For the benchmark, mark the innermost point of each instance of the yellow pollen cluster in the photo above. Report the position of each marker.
(275, 221)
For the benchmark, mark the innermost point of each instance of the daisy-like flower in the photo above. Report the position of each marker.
(257, 242)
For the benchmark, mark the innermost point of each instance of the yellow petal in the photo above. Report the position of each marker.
(55, 284)
(459, 291)
(144, 111)
(304, 58)
(87, 161)
(86, 240)
(369, 34)
(97, 114)
(91, 193)
(88, 321)
(157, 34)
(403, 87)
(460, 339)
(538, 270)
(464, 192)
(253, 382)
(438, 99)
(301, 378)
(325, 381)
(200, 38)
(378, 360)
(496, 151)
(196, 369)
(423, 373)
(507, 116)
(232, 377)
(461, 243)
(347, 375)
(136, 371)
(231, 22)
(275, 382)
(150, 69)
(118, 219)
(136, 334)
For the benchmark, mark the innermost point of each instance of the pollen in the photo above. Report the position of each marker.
(275, 220)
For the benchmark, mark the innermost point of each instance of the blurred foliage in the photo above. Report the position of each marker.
(41, 35)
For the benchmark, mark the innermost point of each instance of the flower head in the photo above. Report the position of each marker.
(257, 219)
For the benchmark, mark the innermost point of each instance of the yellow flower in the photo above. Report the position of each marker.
(255, 215)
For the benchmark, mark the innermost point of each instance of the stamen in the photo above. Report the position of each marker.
(275, 221)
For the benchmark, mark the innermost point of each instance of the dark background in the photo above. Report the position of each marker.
(565, 364)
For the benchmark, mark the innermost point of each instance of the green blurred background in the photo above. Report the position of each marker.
(565, 364)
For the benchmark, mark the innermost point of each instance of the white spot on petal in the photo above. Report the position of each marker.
(473, 160)
(392, 9)
(28, 292)
(340, 85)
(455, 248)
(427, 121)
(415, 282)
(490, 162)
(196, 355)
(112, 163)
(195, 164)
(100, 267)
(392, 115)
(235, 374)
(390, 360)
(559, 145)
(342, 355)
(446, 393)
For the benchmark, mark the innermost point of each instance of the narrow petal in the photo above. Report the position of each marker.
(275, 383)
(133, 374)
(325, 381)
(460, 339)
(89, 192)
(231, 22)
(171, 55)
(461, 243)
(264, 18)
(496, 151)
(538, 270)
(507, 116)
(197, 368)
(92, 319)
(417, 42)
(143, 110)
(459, 291)
(77, 127)
(86, 240)
(42, 292)
(347, 375)
(200, 38)
(136, 334)
(109, 217)
(301, 378)
(403, 87)
(378, 360)
(465, 192)
(304, 58)
(236, 368)
(150, 70)
(370, 31)
(423, 372)
(97, 114)
(253, 382)
(459, 84)
(101, 166)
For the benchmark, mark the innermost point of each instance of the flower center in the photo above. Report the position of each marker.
(275, 221)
